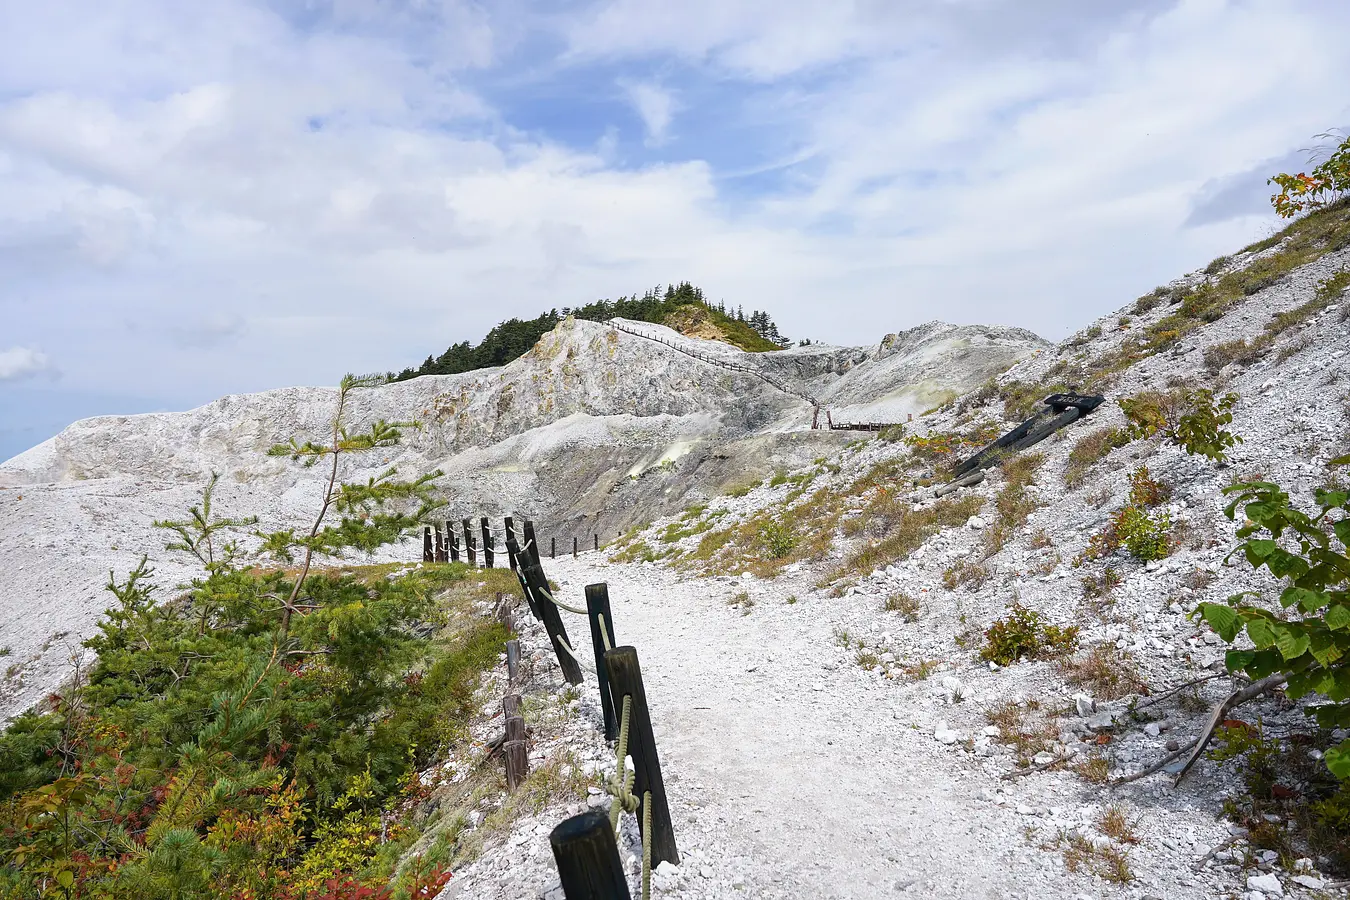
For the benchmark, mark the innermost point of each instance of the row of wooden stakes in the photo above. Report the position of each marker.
(438, 546)
(584, 846)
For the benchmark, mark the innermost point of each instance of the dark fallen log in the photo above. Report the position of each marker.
(1059, 410)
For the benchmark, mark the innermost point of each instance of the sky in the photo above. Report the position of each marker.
(225, 196)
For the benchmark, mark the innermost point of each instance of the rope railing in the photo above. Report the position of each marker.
(585, 846)
(620, 787)
(712, 360)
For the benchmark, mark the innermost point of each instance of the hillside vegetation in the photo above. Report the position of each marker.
(680, 306)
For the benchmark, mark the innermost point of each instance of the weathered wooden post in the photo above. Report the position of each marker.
(588, 858)
(515, 728)
(625, 680)
(453, 540)
(426, 546)
(517, 762)
(548, 611)
(531, 545)
(512, 545)
(529, 594)
(487, 542)
(512, 662)
(511, 705)
(574, 546)
(468, 541)
(602, 629)
(597, 542)
(440, 545)
(552, 548)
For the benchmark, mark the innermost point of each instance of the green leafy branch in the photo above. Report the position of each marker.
(1309, 553)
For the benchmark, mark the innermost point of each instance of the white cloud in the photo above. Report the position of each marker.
(290, 201)
(18, 363)
(655, 105)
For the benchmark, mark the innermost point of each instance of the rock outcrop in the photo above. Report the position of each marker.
(593, 431)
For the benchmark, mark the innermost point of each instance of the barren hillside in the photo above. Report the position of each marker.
(592, 431)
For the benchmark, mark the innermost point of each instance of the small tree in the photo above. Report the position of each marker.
(1304, 193)
(1193, 420)
(372, 514)
(1311, 642)
(196, 533)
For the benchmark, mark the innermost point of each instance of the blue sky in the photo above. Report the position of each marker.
(232, 195)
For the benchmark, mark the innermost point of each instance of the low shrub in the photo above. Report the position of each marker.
(1191, 419)
(1091, 449)
(1022, 634)
(778, 537)
(907, 607)
(1014, 504)
(1108, 673)
(963, 573)
(1101, 585)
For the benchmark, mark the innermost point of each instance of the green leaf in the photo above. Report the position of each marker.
(1260, 631)
(1324, 648)
(1340, 461)
(1223, 619)
(1284, 564)
(1258, 549)
(65, 878)
(1331, 499)
(1291, 640)
(1266, 662)
(1308, 601)
(1238, 660)
(1338, 760)
(1337, 616)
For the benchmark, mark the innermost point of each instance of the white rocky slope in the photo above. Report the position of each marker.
(590, 432)
(801, 773)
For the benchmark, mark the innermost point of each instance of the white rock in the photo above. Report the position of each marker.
(1312, 882)
(976, 523)
(1266, 884)
(1152, 729)
(1084, 704)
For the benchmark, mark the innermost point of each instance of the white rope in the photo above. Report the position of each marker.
(561, 605)
(570, 652)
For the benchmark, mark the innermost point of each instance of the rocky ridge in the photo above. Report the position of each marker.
(592, 431)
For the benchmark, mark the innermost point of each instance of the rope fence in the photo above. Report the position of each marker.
(585, 847)
(468, 542)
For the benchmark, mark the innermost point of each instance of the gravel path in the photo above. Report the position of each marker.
(799, 775)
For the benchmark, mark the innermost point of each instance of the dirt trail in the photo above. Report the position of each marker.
(827, 782)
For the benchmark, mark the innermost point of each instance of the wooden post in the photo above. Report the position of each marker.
(468, 541)
(452, 540)
(552, 548)
(440, 545)
(517, 763)
(574, 546)
(511, 705)
(487, 542)
(625, 679)
(426, 546)
(531, 546)
(512, 661)
(529, 595)
(512, 545)
(588, 858)
(597, 606)
(534, 576)
(597, 542)
(515, 728)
